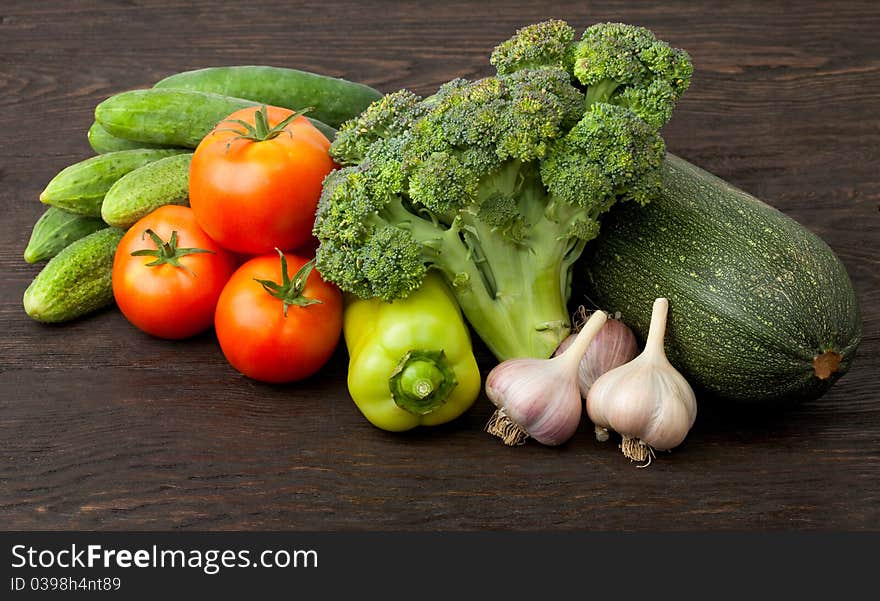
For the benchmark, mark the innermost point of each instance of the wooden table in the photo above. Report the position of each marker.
(102, 427)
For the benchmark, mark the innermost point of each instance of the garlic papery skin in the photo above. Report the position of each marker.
(647, 401)
(539, 398)
(613, 346)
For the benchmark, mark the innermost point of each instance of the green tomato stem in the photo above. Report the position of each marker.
(167, 253)
(261, 131)
(290, 290)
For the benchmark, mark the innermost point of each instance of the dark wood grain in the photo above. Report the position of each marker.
(102, 427)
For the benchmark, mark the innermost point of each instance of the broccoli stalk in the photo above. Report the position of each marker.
(512, 287)
(499, 183)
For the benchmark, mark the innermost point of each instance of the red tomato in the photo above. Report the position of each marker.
(256, 336)
(164, 281)
(256, 190)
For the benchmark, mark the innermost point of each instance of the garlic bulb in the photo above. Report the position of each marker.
(540, 397)
(646, 401)
(614, 345)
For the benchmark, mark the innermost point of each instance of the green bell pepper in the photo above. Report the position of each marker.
(410, 361)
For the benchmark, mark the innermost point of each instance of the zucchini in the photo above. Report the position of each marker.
(103, 141)
(57, 229)
(334, 100)
(171, 117)
(76, 281)
(80, 188)
(147, 188)
(761, 309)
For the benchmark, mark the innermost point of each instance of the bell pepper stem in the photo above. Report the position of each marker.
(422, 381)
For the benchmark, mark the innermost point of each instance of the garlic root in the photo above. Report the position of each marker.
(510, 433)
(636, 450)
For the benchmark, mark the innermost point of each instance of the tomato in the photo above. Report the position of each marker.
(168, 274)
(255, 180)
(277, 328)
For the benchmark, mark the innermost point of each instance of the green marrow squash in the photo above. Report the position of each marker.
(170, 117)
(761, 309)
(333, 100)
(77, 281)
(55, 230)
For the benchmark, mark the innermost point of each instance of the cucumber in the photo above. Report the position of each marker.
(761, 309)
(334, 100)
(80, 188)
(57, 229)
(328, 131)
(143, 190)
(103, 141)
(76, 281)
(171, 117)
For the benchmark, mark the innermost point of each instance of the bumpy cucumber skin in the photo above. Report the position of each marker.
(103, 141)
(80, 188)
(170, 117)
(76, 281)
(144, 190)
(166, 116)
(334, 100)
(55, 230)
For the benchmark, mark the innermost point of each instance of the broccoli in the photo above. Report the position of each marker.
(499, 183)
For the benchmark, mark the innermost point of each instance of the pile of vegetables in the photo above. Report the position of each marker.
(181, 217)
(499, 183)
(226, 198)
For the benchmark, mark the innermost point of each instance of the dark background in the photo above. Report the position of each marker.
(102, 427)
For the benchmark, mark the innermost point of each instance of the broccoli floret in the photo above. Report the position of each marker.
(603, 159)
(546, 44)
(441, 184)
(499, 183)
(501, 212)
(389, 116)
(626, 65)
(612, 62)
